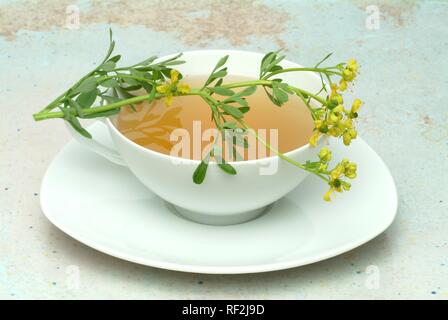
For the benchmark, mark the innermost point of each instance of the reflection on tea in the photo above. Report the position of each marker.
(152, 125)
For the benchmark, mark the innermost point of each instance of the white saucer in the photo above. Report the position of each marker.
(105, 207)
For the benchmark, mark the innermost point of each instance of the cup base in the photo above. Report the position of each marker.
(219, 220)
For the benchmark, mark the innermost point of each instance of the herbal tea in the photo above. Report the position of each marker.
(152, 125)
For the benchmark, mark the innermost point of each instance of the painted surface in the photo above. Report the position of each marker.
(403, 81)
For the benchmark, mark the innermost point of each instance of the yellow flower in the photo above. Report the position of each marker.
(325, 155)
(350, 170)
(356, 105)
(163, 88)
(347, 124)
(339, 109)
(353, 133)
(348, 136)
(348, 75)
(337, 185)
(169, 88)
(334, 89)
(327, 195)
(345, 168)
(183, 88)
(342, 85)
(174, 75)
(352, 65)
(166, 89)
(350, 71)
(313, 139)
(169, 99)
(323, 167)
(335, 131)
(336, 114)
(338, 98)
(337, 172)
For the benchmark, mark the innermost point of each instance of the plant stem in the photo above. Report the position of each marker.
(53, 115)
(43, 116)
(278, 153)
(319, 70)
(269, 83)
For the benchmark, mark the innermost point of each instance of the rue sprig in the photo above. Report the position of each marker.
(106, 89)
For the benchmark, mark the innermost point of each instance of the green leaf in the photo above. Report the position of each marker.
(152, 94)
(280, 95)
(75, 107)
(200, 172)
(227, 168)
(271, 97)
(235, 112)
(147, 68)
(85, 100)
(321, 61)
(270, 62)
(86, 86)
(224, 166)
(132, 88)
(111, 46)
(169, 59)
(148, 87)
(267, 59)
(236, 99)
(110, 83)
(115, 58)
(246, 92)
(102, 114)
(137, 73)
(173, 63)
(221, 62)
(74, 122)
(146, 61)
(230, 125)
(244, 109)
(219, 82)
(123, 93)
(167, 73)
(110, 99)
(108, 66)
(275, 68)
(222, 91)
(274, 64)
(131, 81)
(217, 74)
(77, 126)
(285, 87)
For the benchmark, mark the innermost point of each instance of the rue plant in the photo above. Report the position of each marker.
(107, 88)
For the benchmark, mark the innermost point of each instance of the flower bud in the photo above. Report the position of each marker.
(325, 155)
(342, 85)
(356, 105)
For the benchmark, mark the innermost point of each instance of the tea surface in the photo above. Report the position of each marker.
(152, 124)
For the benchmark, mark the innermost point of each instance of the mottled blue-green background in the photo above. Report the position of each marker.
(403, 82)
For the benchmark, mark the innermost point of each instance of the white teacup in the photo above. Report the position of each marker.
(221, 199)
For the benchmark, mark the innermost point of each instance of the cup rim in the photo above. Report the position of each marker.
(196, 162)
